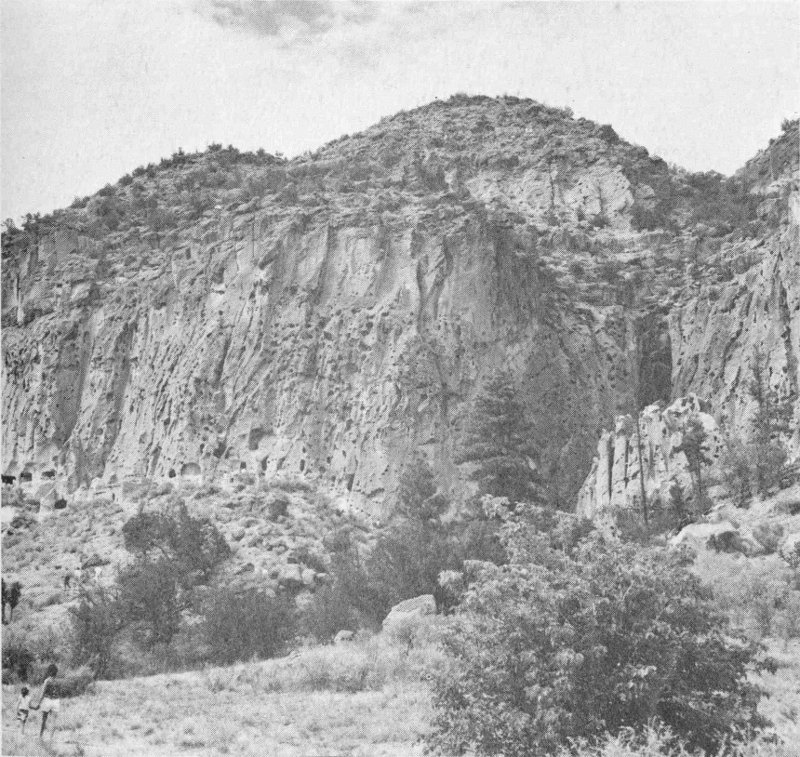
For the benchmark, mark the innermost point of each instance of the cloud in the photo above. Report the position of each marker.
(285, 19)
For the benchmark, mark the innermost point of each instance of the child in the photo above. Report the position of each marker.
(23, 707)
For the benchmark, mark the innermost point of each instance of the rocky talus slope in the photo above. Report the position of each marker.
(223, 314)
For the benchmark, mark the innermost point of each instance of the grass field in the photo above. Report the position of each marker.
(363, 699)
(368, 698)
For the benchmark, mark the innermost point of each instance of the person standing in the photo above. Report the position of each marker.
(48, 701)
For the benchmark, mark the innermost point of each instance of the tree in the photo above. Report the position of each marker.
(149, 597)
(96, 621)
(582, 635)
(11, 594)
(773, 414)
(694, 437)
(772, 418)
(418, 494)
(194, 545)
(499, 441)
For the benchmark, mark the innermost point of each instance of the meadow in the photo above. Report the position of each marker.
(369, 697)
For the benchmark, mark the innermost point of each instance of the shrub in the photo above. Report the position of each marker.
(73, 683)
(737, 467)
(17, 657)
(27, 649)
(247, 625)
(568, 642)
(758, 596)
(95, 625)
(768, 535)
(327, 613)
(194, 545)
(658, 741)
(754, 466)
(149, 596)
(277, 506)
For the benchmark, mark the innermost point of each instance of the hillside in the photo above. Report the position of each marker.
(225, 314)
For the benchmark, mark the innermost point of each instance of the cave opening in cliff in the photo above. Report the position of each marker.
(654, 367)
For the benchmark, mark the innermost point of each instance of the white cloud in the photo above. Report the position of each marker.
(92, 88)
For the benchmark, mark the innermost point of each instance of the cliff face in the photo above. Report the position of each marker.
(224, 314)
(653, 452)
(717, 333)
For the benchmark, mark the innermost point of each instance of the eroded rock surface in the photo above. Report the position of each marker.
(615, 480)
(333, 315)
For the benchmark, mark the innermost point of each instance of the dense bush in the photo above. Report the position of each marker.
(194, 545)
(27, 649)
(405, 561)
(761, 597)
(329, 612)
(95, 625)
(576, 637)
(174, 553)
(247, 625)
(149, 597)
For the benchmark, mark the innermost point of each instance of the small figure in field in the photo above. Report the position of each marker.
(48, 701)
(23, 707)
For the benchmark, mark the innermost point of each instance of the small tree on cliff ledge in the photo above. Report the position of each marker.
(772, 418)
(499, 441)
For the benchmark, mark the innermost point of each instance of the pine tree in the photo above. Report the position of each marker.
(694, 436)
(418, 494)
(499, 441)
(772, 418)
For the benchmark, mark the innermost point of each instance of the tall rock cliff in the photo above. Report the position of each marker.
(332, 315)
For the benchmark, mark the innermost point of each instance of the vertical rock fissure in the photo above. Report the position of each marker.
(786, 333)
(429, 343)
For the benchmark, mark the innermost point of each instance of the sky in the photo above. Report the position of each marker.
(90, 89)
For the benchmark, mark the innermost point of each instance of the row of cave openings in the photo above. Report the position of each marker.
(193, 470)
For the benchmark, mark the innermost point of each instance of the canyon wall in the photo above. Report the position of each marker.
(342, 314)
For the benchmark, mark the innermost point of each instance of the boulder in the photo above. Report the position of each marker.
(722, 536)
(290, 576)
(416, 607)
(308, 576)
(343, 636)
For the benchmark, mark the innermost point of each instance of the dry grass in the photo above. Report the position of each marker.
(367, 698)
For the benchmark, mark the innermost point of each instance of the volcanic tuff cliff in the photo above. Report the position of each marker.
(329, 316)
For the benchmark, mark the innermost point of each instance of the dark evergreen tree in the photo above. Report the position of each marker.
(418, 494)
(694, 437)
(772, 418)
(499, 442)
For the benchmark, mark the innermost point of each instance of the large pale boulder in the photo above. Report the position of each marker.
(343, 637)
(722, 536)
(410, 609)
(290, 576)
